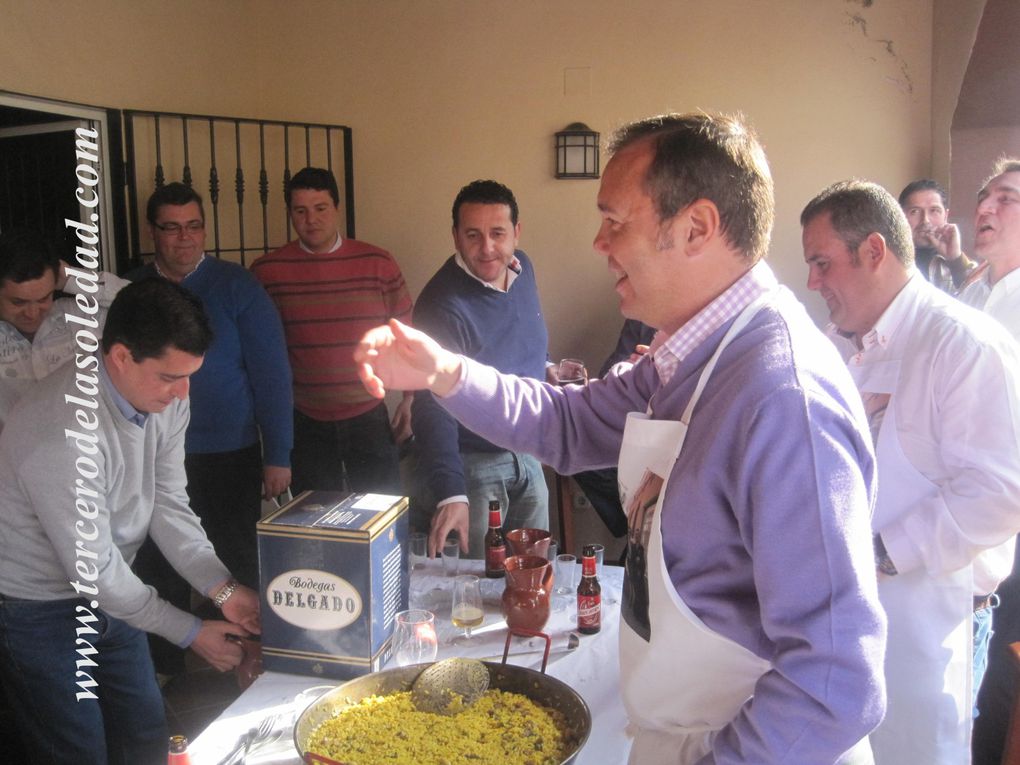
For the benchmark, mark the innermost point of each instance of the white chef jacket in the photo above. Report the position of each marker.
(1000, 301)
(23, 361)
(958, 423)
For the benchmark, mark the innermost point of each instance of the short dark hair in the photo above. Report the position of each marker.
(176, 194)
(923, 184)
(315, 178)
(25, 256)
(485, 193)
(708, 156)
(153, 315)
(859, 208)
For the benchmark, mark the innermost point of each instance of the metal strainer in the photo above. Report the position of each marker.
(450, 686)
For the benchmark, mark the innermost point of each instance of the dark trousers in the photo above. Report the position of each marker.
(225, 491)
(357, 454)
(602, 490)
(44, 670)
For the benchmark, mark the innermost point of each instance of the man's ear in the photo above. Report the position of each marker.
(119, 356)
(873, 250)
(704, 225)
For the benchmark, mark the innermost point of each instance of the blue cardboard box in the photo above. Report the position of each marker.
(334, 574)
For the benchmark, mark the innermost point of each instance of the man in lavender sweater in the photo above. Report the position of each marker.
(751, 628)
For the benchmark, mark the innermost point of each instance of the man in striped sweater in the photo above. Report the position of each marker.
(330, 290)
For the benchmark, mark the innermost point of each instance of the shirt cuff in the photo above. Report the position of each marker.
(192, 634)
(901, 551)
(450, 500)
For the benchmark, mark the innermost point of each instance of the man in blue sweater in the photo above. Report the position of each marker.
(484, 304)
(241, 393)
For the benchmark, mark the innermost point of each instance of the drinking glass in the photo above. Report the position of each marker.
(414, 640)
(467, 611)
(571, 371)
(600, 556)
(417, 548)
(564, 573)
(451, 555)
(553, 549)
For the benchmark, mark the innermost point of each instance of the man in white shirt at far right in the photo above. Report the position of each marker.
(940, 384)
(995, 289)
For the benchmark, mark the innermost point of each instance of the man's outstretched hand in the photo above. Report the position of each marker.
(397, 357)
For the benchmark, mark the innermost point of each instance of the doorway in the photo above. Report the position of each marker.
(39, 154)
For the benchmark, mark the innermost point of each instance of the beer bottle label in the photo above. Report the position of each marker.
(589, 612)
(495, 557)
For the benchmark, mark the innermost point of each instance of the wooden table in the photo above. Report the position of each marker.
(592, 670)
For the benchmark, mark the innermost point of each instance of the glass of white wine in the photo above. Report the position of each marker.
(467, 612)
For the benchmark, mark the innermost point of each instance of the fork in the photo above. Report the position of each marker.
(259, 734)
(264, 734)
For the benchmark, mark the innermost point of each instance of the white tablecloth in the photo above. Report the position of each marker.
(593, 670)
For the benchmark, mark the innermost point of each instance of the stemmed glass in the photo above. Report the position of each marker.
(415, 641)
(467, 611)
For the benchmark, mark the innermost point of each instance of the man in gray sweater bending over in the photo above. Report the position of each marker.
(91, 461)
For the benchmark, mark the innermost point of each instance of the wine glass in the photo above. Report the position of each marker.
(414, 640)
(467, 609)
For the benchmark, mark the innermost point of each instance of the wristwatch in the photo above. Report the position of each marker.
(225, 592)
(882, 559)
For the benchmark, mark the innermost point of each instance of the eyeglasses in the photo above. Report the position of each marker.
(175, 229)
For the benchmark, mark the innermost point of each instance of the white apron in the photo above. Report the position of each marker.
(681, 681)
(929, 652)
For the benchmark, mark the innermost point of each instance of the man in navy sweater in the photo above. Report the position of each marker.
(482, 303)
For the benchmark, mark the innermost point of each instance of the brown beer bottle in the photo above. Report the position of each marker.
(589, 595)
(178, 754)
(495, 543)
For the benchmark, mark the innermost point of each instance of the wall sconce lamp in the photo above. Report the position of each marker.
(577, 152)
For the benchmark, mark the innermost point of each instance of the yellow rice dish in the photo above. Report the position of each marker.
(501, 728)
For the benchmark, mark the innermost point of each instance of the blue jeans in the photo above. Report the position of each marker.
(47, 676)
(517, 481)
(982, 637)
(358, 454)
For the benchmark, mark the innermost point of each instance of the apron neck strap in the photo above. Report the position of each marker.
(742, 320)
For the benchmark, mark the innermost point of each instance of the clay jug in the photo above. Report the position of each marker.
(529, 581)
(529, 542)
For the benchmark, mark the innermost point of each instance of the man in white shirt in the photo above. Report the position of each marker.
(36, 335)
(995, 289)
(939, 383)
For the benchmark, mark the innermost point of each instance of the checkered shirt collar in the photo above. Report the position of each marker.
(754, 283)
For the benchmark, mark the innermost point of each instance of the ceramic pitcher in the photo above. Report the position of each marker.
(529, 542)
(529, 580)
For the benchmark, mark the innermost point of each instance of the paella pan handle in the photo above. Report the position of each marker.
(522, 632)
(311, 757)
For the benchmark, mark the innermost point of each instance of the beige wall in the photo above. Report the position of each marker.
(440, 92)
